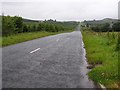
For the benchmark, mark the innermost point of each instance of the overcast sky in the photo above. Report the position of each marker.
(61, 9)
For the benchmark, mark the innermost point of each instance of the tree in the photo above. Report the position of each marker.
(43, 26)
(7, 26)
(39, 27)
(25, 28)
(116, 26)
(18, 23)
(33, 28)
(11, 25)
(106, 27)
(52, 28)
(56, 29)
(47, 27)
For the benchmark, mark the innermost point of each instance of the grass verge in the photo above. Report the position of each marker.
(101, 52)
(22, 37)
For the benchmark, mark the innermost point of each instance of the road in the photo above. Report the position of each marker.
(56, 61)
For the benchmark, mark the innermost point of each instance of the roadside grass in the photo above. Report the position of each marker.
(101, 52)
(22, 37)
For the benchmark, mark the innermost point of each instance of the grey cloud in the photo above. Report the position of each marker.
(62, 10)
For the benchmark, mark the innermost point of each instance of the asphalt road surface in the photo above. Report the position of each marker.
(51, 62)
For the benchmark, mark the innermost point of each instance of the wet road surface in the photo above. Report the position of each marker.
(51, 62)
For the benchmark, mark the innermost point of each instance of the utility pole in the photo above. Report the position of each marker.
(119, 10)
(2, 13)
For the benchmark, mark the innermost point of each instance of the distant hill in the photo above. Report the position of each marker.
(66, 24)
(109, 20)
(29, 20)
(106, 20)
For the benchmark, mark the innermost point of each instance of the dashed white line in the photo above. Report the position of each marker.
(35, 50)
(57, 40)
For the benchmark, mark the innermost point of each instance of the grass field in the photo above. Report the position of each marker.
(22, 37)
(101, 52)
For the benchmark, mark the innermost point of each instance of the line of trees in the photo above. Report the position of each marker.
(105, 27)
(15, 25)
(101, 28)
(41, 26)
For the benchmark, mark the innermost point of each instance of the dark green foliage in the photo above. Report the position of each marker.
(18, 24)
(33, 28)
(7, 25)
(96, 28)
(105, 27)
(116, 27)
(39, 27)
(15, 25)
(101, 28)
(11, 25)
(25, 28)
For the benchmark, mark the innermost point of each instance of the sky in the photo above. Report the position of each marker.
(64, 10)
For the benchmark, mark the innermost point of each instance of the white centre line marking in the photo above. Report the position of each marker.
(57, 40)
(35, 50)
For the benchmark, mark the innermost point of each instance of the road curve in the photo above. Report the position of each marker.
(56, 61)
